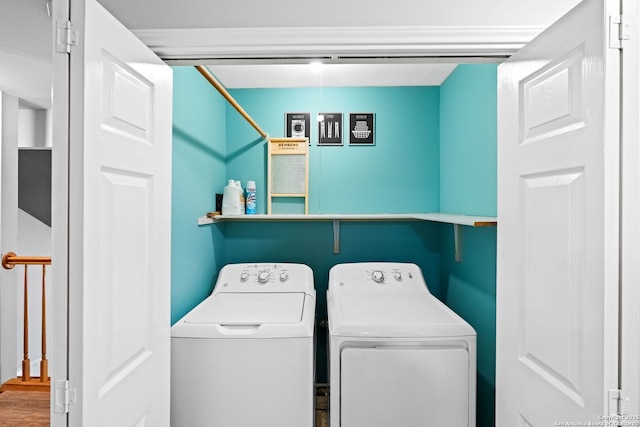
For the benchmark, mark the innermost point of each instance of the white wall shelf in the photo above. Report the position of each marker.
(456, 220)
(473, 221)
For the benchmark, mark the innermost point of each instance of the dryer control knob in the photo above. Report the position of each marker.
(377, 276)
(263, 277)
(284, 276)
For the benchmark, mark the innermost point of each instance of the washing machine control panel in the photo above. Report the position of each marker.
(265, 277)
(389, 275)
(378, 276)
(375, 277)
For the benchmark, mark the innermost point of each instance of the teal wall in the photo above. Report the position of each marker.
(401, 173)
(468, 164)
(469, 288)
(435, 151)
(199, 166)
(468, 141)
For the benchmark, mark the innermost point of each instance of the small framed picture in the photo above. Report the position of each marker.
(330, 129)
(362, 129)
(297, 125)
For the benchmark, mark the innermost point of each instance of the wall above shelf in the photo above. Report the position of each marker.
(456, 220)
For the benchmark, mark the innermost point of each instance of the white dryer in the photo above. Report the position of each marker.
(397, 355)
(245, 355)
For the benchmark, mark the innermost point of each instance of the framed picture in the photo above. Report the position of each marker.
(330, 129)
(297, 125)
(362, 129)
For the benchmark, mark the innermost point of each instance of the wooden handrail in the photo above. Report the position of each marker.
(10, 260)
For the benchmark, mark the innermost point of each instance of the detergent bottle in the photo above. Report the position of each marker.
(233, 198)
(242, 200)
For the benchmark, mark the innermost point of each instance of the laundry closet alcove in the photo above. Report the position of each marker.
(435, 153)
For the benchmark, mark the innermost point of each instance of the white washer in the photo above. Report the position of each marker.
(245, 355)
(398, 356)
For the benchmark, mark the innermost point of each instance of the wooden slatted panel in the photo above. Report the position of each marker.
(288, 170)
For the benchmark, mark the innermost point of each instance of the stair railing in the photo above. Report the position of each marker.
(9, 261)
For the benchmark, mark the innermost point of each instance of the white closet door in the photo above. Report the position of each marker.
(119, 192)
(558, 208)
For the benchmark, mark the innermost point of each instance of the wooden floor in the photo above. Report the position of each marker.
(24, 403)
(322, 406)
(20, 408)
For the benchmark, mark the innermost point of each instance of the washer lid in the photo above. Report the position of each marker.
(394, 315)
(249, 309)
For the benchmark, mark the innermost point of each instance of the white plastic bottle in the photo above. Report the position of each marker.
(251, 197)
(241, 195)
(231, 199)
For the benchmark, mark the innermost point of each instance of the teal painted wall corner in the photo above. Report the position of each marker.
(469, 288)
(199, 150)
(468, 141)
(468, 164)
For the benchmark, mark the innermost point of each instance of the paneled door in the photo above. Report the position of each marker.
(558, 208)
(118, 230)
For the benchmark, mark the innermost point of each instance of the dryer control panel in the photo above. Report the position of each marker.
(265, 277)
(376, 277)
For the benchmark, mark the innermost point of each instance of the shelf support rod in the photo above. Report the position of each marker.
(336, 236)
(220, 88)
(457, 242)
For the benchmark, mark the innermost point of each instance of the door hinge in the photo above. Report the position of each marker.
(67, 36)
(619, 31)
(618, 402)
(64, 396)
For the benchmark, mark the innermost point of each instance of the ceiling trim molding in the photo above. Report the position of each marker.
(336, 42)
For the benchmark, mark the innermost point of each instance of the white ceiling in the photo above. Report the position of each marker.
(25, 36)
(192, 14)
(25, 51)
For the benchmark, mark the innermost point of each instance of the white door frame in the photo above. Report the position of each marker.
(630, 227)
(58, 359)
(8, 234)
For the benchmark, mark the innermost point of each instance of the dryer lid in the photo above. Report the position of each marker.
(249, 309)
(394, 315)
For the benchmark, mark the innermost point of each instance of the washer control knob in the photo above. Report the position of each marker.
(377, 276)
(263, 277)
(284, 276)
(244, 276)
(398, 276)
